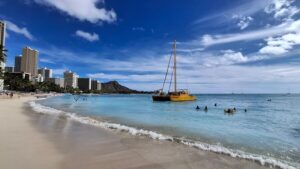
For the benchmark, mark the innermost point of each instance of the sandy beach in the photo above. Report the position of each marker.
(33, 141)
(21, 145)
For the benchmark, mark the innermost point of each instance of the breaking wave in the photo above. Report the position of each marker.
(263, 160)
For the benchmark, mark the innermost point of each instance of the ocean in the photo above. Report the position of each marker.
(268, 132)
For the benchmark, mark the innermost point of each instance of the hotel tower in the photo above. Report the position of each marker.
(29, 63)
(2, 43)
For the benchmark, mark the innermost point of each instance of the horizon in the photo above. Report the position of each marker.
(249, 47)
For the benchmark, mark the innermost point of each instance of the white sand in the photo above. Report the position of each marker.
(21, 145)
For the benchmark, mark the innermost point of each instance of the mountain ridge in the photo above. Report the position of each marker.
(116, 87)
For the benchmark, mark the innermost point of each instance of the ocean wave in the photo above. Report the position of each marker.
(87, 120)
(263, 160)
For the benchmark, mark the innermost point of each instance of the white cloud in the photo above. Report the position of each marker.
(16, 29)
(208, 40)
(276, 5)
(44, 60)
(282, 9)
(281, 45)
(286, 12)
(234, 57)
(189, 50)
(285, 27)
(275, 50)
(243, 21)
(248, 8)
(82, 9)
(227, 57)
(87, 36)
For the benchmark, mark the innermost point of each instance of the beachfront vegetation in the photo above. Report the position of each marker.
(13, 82)
(17, 83)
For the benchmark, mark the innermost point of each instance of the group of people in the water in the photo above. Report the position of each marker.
(228, 110)
(205, 108)
(76, 98)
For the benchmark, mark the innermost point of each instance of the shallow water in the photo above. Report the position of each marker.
(269, 128)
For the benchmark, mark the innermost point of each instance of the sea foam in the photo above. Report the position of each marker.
(263, 160)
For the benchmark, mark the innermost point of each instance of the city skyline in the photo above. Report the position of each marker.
(27, 65)
(243, 46)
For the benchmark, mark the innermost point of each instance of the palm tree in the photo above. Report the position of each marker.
(2, 53)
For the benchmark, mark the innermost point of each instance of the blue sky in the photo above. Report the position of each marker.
(224, 46)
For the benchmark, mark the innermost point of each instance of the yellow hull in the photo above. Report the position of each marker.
(182, 98)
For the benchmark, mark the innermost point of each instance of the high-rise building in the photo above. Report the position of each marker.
(18, 61)
(38, 78)
(96, 85)
(71, 79)
(85, 84)
(29, 63)
(99, 85)
(45, 72)
(2, 43)
(9, 69)
(2, 33)
(58, 81)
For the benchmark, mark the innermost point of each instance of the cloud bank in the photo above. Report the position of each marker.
(84, 10)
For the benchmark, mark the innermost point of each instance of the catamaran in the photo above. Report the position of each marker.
(176, 95)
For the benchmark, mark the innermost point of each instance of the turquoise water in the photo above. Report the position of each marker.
(269, 128)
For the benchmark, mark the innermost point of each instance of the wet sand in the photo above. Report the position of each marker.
(33, 140)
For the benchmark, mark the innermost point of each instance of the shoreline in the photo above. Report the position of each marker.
(154, 135)
(110, 149)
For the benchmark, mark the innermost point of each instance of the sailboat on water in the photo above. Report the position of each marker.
(176, 95)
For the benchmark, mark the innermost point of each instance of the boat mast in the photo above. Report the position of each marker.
(175, 80)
